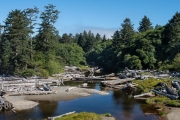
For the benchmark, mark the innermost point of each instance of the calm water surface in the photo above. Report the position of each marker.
(120, 104)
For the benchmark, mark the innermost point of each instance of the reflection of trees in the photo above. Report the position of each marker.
(148, 108)
(121, 98)
(47, 108)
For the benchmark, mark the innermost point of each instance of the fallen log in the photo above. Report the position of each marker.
(164, 94)
(53, 118)
(149, 94)
(116, 82)
(176, 85)
(69, 89)
(33, 93)
(169, 90)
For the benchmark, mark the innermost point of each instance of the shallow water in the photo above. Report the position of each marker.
(119, 103)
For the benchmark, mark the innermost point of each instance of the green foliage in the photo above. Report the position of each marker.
(29, 72)
(163, 100)
(83, 116)
(52, 67)
(71, 54)
(148, 84)
(171, 36)
(173, 66)
(44, 73)
(176, 62)
(132, 62)
(47, 35)
(145, 24)
(14, 48)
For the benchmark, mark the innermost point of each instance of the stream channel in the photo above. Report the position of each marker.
(118, 103)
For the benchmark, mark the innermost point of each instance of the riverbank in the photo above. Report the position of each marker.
(28, 101)
(173, 114)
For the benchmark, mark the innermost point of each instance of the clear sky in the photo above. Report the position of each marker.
(102, 16)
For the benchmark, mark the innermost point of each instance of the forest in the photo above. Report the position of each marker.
(24, 53)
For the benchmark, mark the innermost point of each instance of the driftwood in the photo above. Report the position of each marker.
(53, 118)
(169, 90)
(88, 78)
(5, 105)
(176, 85)
(116, 82)
(164, 94)
(71, 88)
(149, 94)
(32, 93)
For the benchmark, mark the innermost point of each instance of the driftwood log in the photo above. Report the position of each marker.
(164, 94)
(149, 94)
(71, 88)
(33, 93)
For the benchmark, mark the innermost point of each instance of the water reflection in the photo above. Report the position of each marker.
(119, 103)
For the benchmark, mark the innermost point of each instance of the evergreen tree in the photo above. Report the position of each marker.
(81, 41)
(116, 40)
(145, 24)
(98, 37)
(126, 32)
(31, 15)
(104, 38)
(66, 38)
(15, 42)
(47, 37)
(90, 41)
(171, 36)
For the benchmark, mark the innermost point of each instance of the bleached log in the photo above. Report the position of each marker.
(71, 88)
(32, 93)
(53, 118)
(149, 94)
(115, 82)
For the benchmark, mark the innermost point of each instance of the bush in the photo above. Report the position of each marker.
(44, 73)
(28, 73)
(82, 116)
(52, 67)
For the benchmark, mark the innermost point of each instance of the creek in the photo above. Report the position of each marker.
(118, 103)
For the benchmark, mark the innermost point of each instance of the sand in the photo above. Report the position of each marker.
(28, 101)
(174, 114)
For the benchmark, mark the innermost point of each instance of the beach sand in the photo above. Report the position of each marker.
(174, 114)
(28, 101)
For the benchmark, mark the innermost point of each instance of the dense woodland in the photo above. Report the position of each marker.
(25, 52)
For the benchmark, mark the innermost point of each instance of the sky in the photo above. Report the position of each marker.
(99, 16)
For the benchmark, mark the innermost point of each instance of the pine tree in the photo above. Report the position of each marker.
(127, 31)
(31, 15)
(47, 39)
(145, 24)
(98, 37)
(15, 52)
(104, 38)
(171, 36)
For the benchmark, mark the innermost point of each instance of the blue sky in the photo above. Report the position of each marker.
(102, 16)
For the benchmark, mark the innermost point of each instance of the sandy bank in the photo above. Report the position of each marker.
(174, 114)
(27, 101)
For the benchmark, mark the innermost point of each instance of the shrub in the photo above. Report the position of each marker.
(28, 73)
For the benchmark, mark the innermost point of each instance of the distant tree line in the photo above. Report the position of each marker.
(22, 52)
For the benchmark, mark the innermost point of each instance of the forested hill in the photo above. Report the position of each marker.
(24, 53)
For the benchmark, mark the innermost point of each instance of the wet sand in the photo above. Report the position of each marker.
(28, 101)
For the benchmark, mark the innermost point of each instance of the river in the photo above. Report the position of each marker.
(118, 103)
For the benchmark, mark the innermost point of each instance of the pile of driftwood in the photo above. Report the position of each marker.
(22, 86)
(118, 84)
(165, 90)
(5, 105)
(144, 74)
